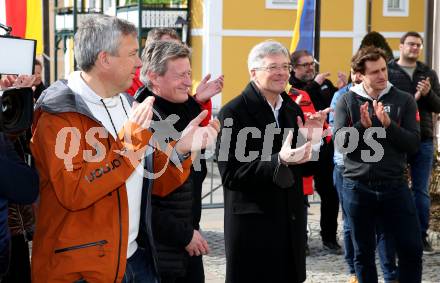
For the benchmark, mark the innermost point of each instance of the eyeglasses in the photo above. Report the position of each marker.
(275, 68)
(306, 65)
(413, 44)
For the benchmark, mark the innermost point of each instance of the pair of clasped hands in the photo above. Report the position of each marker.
(142, 115)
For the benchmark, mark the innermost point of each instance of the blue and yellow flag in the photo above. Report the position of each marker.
(304, 31)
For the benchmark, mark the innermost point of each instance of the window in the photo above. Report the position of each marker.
(396, 8)
(281, 4)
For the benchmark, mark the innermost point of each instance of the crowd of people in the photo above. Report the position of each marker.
(117, 163)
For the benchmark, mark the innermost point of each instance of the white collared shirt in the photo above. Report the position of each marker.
(276, 109)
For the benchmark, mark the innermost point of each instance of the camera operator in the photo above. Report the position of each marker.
(18, 181)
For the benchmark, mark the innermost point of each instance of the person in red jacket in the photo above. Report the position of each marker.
(303, 99)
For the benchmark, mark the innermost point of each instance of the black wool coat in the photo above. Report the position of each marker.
(264, 203)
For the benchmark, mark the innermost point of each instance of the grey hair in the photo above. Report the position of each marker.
(156, 55)
(264, 49)
(99, 33)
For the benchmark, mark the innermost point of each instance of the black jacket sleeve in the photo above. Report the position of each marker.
(19, 182)
(243, 175)
(406, 136)
(343, 118)
(314, 91)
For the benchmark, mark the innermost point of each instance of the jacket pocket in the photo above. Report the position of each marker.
(82, 246)
(246, 208)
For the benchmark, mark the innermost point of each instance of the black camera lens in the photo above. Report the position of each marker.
(16, 110)
(11, 106)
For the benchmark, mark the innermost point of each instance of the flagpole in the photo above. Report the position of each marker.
(46, 42)
(317, 31)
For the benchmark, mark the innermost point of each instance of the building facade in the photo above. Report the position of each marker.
(222, 32)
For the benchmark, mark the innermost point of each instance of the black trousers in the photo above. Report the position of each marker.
(19, 265)
(194, 273)
(328, 194)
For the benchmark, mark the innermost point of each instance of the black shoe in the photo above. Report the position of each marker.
(332, 247)
(427, 249)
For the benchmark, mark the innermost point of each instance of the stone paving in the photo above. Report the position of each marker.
(321, 266)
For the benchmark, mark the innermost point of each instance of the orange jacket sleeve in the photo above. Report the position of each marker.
(79, 183)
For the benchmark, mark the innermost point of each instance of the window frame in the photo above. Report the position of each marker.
(278, 4)
(402, 12)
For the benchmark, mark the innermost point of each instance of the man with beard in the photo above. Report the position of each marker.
(411, 75)
(320, 90)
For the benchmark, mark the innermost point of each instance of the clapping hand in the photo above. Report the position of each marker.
(291, 156)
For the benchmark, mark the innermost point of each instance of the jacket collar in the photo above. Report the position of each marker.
(419, 65)
(258, 106)
(360, 90)
(59, 98)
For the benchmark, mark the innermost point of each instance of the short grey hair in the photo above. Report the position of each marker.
(264, 49)
(156, 55)
(99, 33)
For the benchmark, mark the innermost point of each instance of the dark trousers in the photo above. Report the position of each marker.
(421, 167)
(389, 204)
(139, 269)
(19, 265)
(194, 273)
(385, 243)
(329, 201)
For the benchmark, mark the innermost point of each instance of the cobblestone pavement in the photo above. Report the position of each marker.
(321, 266)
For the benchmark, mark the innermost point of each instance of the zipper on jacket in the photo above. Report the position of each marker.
(120, 234)
(88, 245)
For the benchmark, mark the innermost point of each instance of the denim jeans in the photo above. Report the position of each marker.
(388, 205)
(421, 166)
(139, 269)
(385, 244)
(348, 243)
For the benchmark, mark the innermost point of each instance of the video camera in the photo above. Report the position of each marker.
(17, 57)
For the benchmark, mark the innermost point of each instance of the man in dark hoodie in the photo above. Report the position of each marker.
(376, 127)
(166, 72)
(412, 76)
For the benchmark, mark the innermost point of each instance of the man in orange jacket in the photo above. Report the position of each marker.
(95, 157)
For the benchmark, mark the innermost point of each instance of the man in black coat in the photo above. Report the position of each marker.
(166, 72)
(414, 77)
(262, 175)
